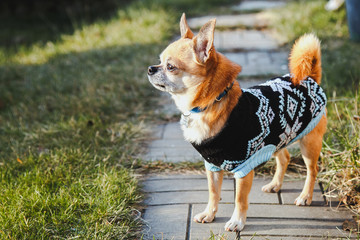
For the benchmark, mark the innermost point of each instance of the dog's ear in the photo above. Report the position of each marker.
(204, 41)
(184, 28)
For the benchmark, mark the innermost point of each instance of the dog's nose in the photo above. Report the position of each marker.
(152, 70)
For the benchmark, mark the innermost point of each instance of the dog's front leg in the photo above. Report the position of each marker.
(214, 184)
(243, 187)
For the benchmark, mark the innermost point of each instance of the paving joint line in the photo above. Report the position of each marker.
(190, 190)
(162, 131)
(279, 195)
(248, 50)
(188, 223)
(322, 191)
(239, 28)
(297, 236)
(164, 179)
(190, 178)
(300, 219)
(205, 202)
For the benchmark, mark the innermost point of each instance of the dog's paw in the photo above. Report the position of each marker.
(303, 199)
(204, 217)
(234, 225)
(271, 187)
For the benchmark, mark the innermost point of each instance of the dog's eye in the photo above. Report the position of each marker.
(170, 67)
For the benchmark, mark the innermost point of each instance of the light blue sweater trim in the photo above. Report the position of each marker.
(261, 156)
(211, 167)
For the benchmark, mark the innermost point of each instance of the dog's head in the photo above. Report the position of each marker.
(184, 63)
(190, 68)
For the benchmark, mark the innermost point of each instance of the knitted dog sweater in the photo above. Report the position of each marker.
(267, 118)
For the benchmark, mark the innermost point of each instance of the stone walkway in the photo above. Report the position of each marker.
(173, 199)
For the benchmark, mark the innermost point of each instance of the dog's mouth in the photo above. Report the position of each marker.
(160, 86)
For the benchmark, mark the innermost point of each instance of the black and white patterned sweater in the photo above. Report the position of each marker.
(267, 118)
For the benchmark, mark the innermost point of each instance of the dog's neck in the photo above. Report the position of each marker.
(184, 99)
(207, 123)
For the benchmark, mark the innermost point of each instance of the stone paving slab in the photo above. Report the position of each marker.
(270, 220)
(163, 185)
(250, 20)
(296, 212)
(247, 6)
(157, 131)
(172, 154)
(183, 197)
(169, 191)
(177, 176)
(244, 40)
(173, 131)
(173, 158)
(169, 145)
(257, 63)
(258, 196)
(166, 222)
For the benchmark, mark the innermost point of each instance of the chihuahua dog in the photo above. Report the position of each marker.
(238, 129)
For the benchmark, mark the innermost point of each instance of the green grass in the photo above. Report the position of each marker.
(72, 115)
(290, 22)
(74, 108)
(341, 77)
(341, 161)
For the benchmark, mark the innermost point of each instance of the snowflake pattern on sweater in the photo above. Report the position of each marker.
(268, 117)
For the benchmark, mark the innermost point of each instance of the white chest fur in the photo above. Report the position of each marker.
(195, 129)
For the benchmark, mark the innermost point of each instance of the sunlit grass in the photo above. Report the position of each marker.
(135, 25)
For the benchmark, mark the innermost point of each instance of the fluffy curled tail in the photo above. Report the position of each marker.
(305, 59)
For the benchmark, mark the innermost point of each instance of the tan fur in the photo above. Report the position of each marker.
(199, 76)
(214, 185)
(305, 59)
(310, 146)
(282, 161)
(238, 218)
(214, 83)
(185, 31)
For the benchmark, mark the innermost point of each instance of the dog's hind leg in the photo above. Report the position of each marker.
(282, 161)
(310, 146)
(238, 218)
(214, 185)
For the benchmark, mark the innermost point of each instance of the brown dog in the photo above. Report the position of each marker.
(237, 129)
